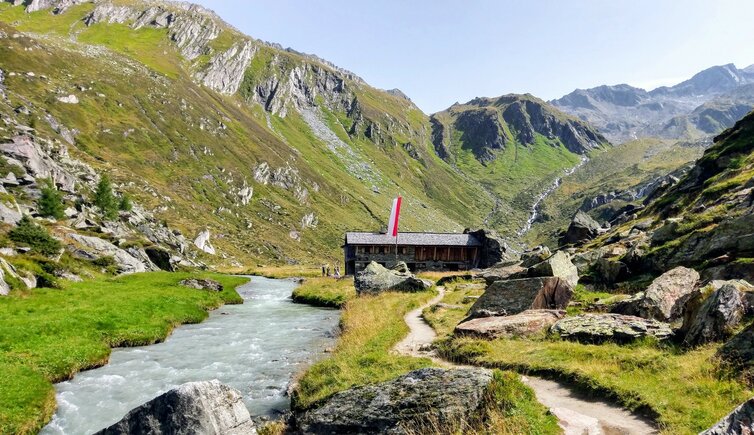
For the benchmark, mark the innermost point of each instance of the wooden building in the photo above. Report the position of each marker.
(420, 251)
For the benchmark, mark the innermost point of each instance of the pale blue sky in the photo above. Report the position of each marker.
(439, 52)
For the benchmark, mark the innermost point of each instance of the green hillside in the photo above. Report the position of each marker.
(327, 157)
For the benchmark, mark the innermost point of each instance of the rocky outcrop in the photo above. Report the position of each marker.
(509, 297)
(500, 273)
(226, 70)
(665, 298)
(376, 279)
(202, 284)
(202, 242)
(494, 250)
(582, 229)
(597, 328)
(524, 324)
(92, 248)
(207, 407)
(38, 162)
(738, 422)
(431, 396)
(718, 315)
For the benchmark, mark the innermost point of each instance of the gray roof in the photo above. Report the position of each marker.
(413, 239)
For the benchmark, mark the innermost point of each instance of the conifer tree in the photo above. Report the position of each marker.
(51, 202)
(105, 199)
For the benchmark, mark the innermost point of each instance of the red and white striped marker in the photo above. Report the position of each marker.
(392, 226)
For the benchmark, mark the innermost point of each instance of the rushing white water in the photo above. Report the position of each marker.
(255, 347)
(541, 197)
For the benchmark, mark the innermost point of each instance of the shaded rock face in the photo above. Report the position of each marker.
(582, 229)
(202, 284)
(504, 298)
(494, 249)
(738, 422)
(535, 256)
(375, 279)
(526, 323)
(717, 315)
(597, 328)
(207, 407)
(665, 298)
(394, 407)
(160, 257)
(739, 351)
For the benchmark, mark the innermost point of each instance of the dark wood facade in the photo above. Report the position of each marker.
(420, 251)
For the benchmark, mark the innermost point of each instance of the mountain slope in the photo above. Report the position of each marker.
(516, 145)
(623, 112)
(277, 153)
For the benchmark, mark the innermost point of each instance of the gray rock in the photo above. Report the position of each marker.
(665, 298)
(206, 407)
(226, 70)
(534, 256)
(202, 242)
(517, 295)
(717, 315)
(526, 323)
(9, 214)
(597, 328)
(376, 279)
(494, 249)
(608, 271)
(582, 229)
(559, 264)
(738, 422)
(94, 247)
(500, 273)
(428, 396)
(37, 162)
(202, 284)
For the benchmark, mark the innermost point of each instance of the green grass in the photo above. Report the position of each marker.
(47, 335)
(371, 326)
(686, 391)
(325, 292)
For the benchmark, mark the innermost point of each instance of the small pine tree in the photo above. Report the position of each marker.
(125, 203)
(105, 200)
(34, 236)
(51, 202)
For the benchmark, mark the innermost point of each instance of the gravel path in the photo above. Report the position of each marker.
(577, 415)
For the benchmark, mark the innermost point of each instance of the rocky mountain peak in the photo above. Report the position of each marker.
(488, 124)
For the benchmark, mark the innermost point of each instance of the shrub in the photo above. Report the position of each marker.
(104, 198)
(125, 203)
(51, 202)
(36, 237)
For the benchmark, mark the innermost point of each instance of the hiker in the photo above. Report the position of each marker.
(323, 270)
(337, 271)
(328, 270)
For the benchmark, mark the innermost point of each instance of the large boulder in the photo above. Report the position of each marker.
(431, 396)
(717, 314)
(517, 295)
(609, 271)
(738, 352)
(94, 247)
(202, 284)
(207, 407)
(597, 328)
(582, 229)
(665, 298)
(535, 255)
(494, 249)
(559, 264)
(500, 273)
(738, 422)
(524, 324)
(376, 278)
